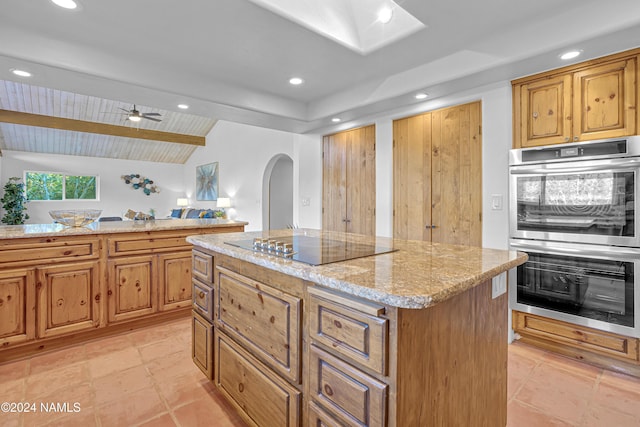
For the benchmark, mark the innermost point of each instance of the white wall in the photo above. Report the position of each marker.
(115, 196)
(242, 153)
(281, 194)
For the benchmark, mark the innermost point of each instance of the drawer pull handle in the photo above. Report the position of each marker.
(337, 324)
(240, 387)
(328, 390)
(201, 295)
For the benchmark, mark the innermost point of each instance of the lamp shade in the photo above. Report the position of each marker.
(223, 202)
(182, 202)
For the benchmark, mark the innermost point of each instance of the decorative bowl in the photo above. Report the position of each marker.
(75, 217)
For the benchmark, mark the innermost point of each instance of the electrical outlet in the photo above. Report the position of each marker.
(499, 285)
(306, 201)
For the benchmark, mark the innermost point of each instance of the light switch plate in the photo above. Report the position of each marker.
(499, 285)
(496, 202)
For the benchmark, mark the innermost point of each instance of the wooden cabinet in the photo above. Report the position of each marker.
(588, 101)
(202, 344)
(265, 320)
(263, 398)
(174, 280)
(577, 341)
(349, 181)
(131, 293)
(17, 303)
(68, 298)
(437, 176)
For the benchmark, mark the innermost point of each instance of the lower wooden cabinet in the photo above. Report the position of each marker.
(68, 298)
(262, 397)
(17, 301)
(575, 340)
(202, 344)
(174, 280)
(131, 291)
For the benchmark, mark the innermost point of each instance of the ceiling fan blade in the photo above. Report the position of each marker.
(150, 118)
(120, 108)
(151, 114)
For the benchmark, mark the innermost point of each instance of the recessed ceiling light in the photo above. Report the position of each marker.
(570, 55)
(67, 4)
(21, 73)
(296, 81)
(385, 14)
(335, 119)
(183, 106)
(421, 95)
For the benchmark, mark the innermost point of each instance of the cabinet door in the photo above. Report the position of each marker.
(605, 101)
(202, 344)
(68, 298)
(412, 178)
(174, 280)
(545, 111)
(349, 181)
(131, 293)
(17, 299)
(456, 175)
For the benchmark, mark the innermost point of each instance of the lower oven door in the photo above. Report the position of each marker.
(589, 285)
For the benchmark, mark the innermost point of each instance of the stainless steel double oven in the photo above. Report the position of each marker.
(575, 209)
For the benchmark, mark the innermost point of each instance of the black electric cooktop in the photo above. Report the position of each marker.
(311, 250)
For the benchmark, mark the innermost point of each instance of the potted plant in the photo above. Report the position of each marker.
(13, 202)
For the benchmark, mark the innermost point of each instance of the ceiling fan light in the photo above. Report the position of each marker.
(183, 106)
(134, 118)
(385, 14)
(67, 4)
(21, 73)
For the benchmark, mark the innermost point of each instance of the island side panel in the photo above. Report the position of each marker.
(452, 362)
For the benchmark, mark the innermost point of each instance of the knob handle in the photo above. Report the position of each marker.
(432, 226)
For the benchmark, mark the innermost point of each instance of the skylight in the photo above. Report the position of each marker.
(352, 23)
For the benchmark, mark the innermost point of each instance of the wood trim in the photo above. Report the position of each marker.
(28, 119)
(576, 67)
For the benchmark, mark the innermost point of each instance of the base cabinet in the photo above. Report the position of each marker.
(131, 293)
(263, 398)
(68, 298)
(17, 300)
(174, 280)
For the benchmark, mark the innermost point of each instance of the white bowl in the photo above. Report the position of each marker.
(75, 217)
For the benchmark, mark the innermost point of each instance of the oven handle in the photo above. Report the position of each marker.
(623, 254)
(551, 168)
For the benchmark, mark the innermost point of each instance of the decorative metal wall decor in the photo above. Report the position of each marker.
(207, 182)
(140, 182)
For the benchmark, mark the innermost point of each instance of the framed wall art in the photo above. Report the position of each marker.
(207, 182)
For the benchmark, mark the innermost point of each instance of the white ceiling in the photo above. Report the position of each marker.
(232, 59)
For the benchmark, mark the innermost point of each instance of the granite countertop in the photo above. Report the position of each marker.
(417, 275)
(108, 227)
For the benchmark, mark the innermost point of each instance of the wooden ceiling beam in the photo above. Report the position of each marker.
(28, 119)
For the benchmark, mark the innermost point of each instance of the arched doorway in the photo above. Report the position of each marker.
(277, 193)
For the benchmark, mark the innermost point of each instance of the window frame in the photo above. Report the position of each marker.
(64, 184)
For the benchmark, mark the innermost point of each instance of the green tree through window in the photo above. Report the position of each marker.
(57, 186)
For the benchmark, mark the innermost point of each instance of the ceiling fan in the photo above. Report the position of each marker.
(135, 116)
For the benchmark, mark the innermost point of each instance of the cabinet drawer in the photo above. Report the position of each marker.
(202, 296)
(350, 328)
(576, 336)
(144, 244)
(265, 320)
(202, 266)
(263, 398)
(49, 250)
(351, 395)
(318, 417)
(202, 344)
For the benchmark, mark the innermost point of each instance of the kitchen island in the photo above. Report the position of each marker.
(410, 337)
(63, 285)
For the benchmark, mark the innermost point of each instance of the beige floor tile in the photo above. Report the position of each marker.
(133, 408)
(117, 384)
(48, 382)
(57, 359)
(183, 389)
(619, 399)
(67, 402)
(162, 348)
(520, 415)
(164, 420)
(201, 412)
(14, 370)
(602, 416)
(114, 361)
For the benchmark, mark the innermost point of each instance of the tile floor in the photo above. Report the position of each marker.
(146, 378)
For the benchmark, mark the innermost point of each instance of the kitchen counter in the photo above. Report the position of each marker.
(417, 275)
(109, 227)
(412, 337)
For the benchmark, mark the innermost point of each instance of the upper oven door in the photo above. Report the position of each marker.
(591, 201)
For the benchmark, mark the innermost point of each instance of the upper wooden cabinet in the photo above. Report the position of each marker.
(349, 181)
(588, 101)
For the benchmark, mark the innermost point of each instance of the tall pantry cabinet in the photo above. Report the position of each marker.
(437, 176)
(349, 181)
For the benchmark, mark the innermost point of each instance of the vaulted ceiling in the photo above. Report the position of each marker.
(232, 59)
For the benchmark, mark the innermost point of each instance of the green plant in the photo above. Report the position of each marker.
(13, 202)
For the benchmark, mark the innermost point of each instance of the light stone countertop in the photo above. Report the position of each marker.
(108, 227)
(417, 275)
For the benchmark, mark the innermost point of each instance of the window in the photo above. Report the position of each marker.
(58, 186)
